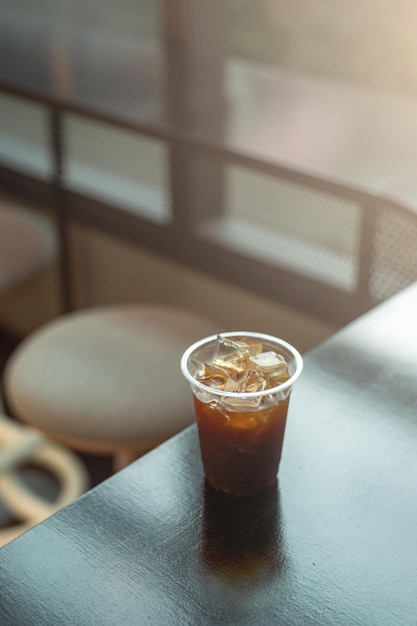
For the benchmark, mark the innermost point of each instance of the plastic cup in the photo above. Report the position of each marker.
(241, 434)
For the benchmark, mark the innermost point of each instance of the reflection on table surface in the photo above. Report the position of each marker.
(332, 543)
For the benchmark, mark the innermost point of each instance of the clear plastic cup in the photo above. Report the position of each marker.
(241, 433)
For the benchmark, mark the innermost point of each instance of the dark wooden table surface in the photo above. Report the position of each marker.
(335, 543)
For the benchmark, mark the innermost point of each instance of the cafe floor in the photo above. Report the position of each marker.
(99, 467)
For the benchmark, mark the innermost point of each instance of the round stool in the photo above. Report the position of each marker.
(108, 379)
(28, 243)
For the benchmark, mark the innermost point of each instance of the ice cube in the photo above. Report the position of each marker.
(232, 354)
(241, 403)
(247, 382)
(230, 385)
(272, 365)
(212, 376)
(244, 349)
(195, 367)
(204, 396)
(250, 381)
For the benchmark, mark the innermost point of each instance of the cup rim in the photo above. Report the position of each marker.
(249, 394)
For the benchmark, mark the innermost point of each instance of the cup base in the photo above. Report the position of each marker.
(241, 491)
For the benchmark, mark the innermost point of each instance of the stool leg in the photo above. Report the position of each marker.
(124, 458)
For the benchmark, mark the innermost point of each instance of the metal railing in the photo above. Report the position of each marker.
(382, 263)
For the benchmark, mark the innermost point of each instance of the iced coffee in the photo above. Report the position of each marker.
(241, 384)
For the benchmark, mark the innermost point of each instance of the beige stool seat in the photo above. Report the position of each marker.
(28, 244)
(107, 379)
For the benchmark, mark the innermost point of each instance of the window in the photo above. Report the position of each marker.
(24, 144)
(207, 130)
(117, 167)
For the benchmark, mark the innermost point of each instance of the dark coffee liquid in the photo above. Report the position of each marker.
(241, 451)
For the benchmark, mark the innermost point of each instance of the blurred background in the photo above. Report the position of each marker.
(372, 44)
(249, 161)
(253, 161)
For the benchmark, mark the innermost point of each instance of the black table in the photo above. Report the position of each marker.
(335, 543)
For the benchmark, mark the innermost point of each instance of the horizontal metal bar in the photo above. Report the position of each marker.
(182, 137)
(275, 283)
(184, 244)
